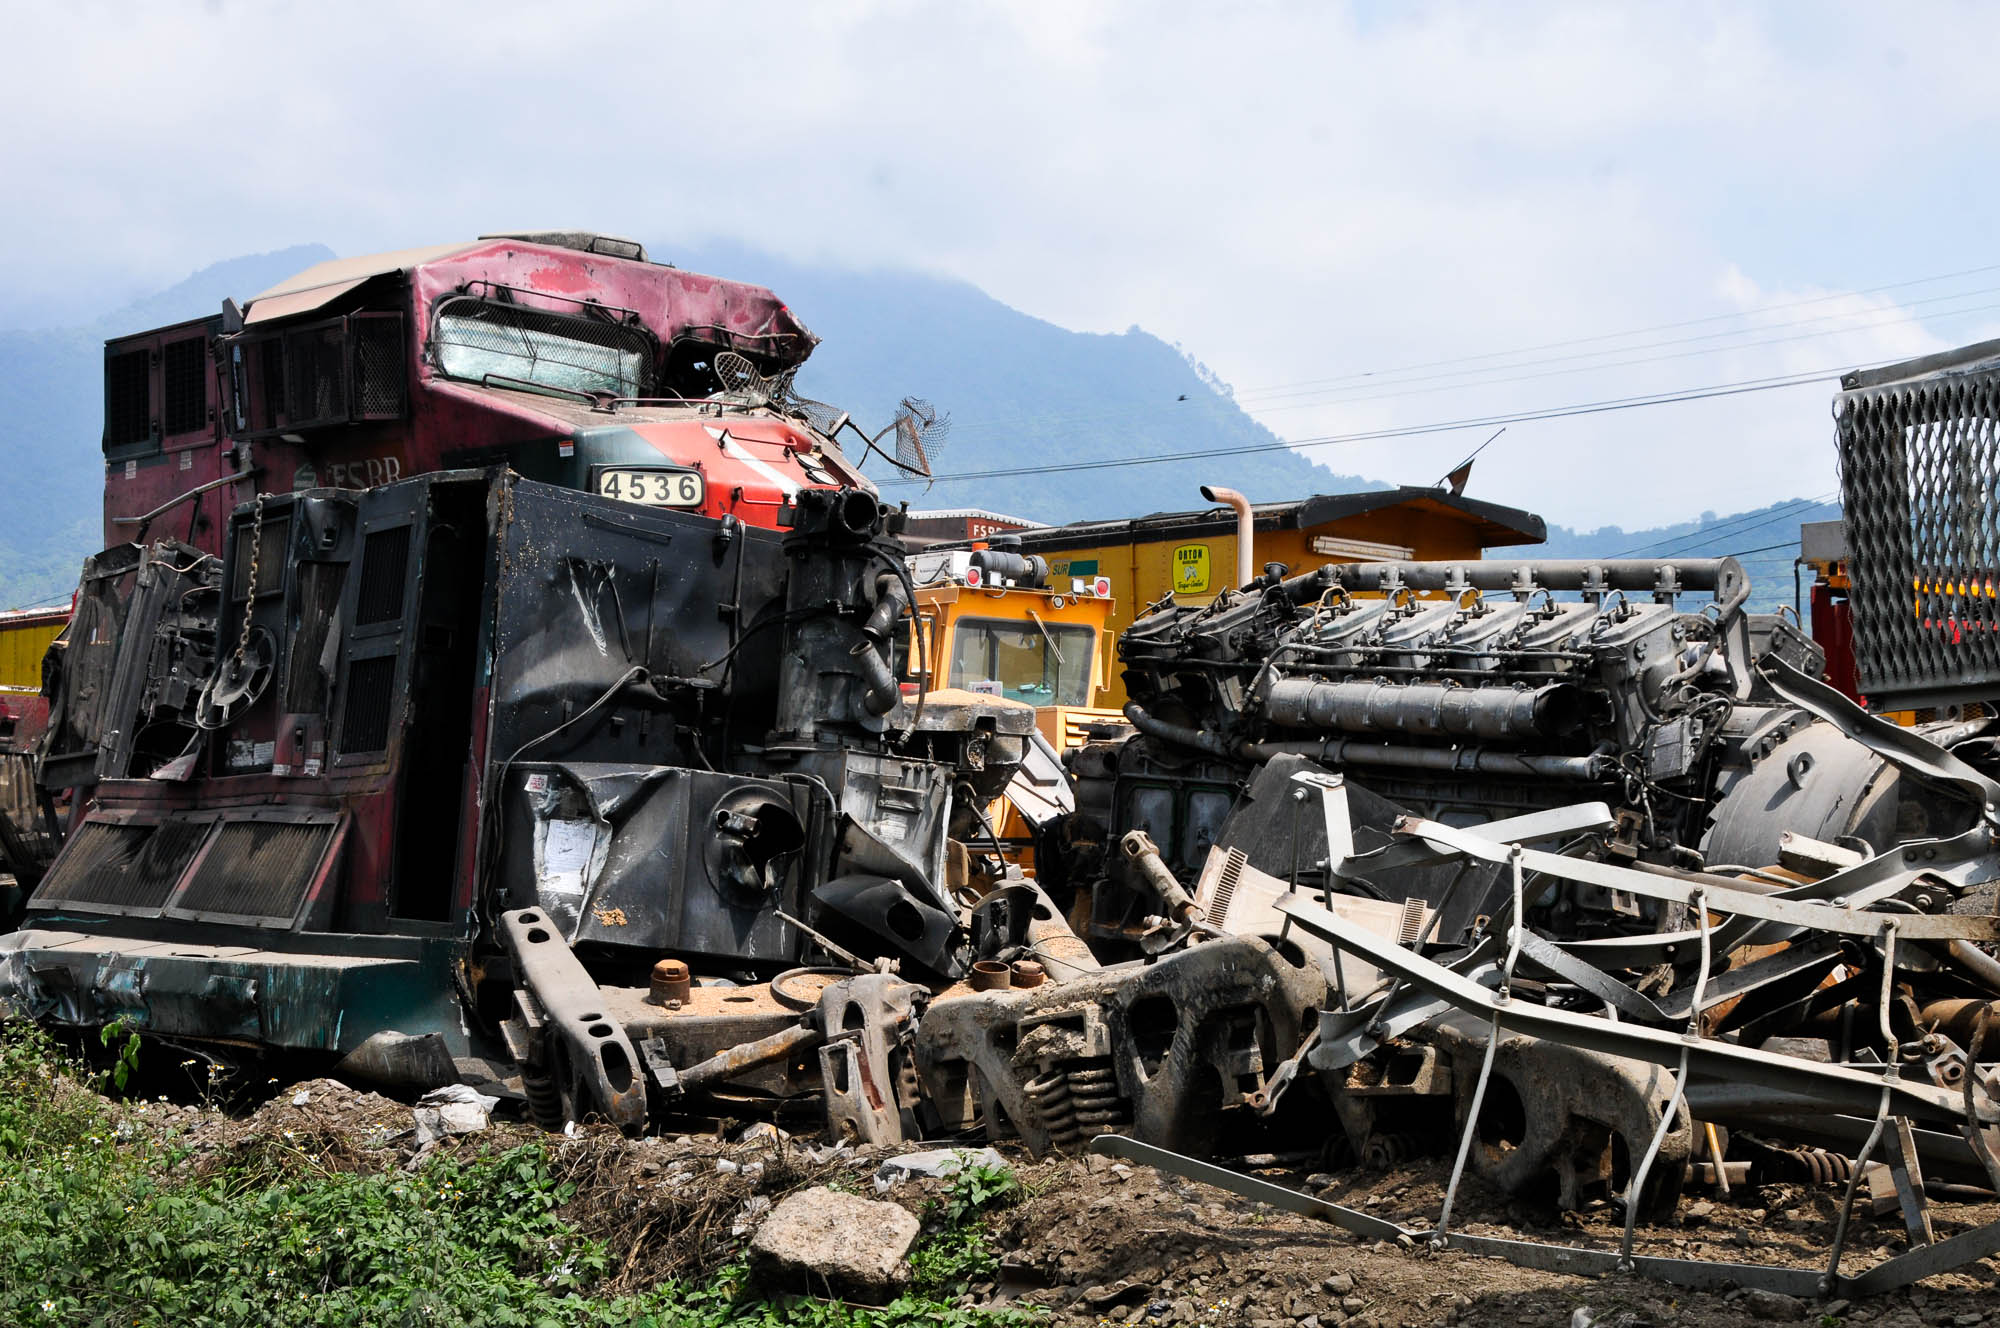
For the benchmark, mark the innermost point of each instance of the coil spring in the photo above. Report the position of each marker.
(1093, 1091)
(544, 1102)
(1383, 1151)
(1049, 1095)
(1077, 1100)
(1811, 1166)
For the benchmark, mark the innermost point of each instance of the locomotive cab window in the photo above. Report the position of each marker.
(517, 346)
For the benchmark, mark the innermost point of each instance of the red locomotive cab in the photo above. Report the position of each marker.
(568, 357)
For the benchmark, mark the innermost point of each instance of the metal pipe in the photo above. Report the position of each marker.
(1426, 709)
(1246, 561)
(748, 1056)
(1144, 856)
(1476, 760)
(1976, 962)
(1725, 577)
(1181, 735)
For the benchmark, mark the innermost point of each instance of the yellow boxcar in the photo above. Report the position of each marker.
(24, 638)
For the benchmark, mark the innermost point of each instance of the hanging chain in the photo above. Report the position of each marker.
(250, 592)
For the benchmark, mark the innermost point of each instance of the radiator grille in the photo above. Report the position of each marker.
(128, 399)
(319, 602)
(184, 385)
(121, 866)
(258, 869)
(364, 721)
(385, 566)
(1917, 462)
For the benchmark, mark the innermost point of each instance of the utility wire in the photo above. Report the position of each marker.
(1753, 519)
(1745, 553)
(1667, 327)
(1316, 395)
(1407, 431)
(1006, 426)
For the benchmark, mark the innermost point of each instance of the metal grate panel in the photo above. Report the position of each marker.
(274, 538)
(316, 376)
(364, 719)
(184, 385)
(1918, 461)
(121, 866)
(257, 869)
(271, 366)
(128, 399)
(385, 568)
(378, 366)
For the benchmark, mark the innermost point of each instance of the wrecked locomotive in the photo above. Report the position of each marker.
(344, 760)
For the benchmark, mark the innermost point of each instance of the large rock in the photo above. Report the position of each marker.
(825, 1242)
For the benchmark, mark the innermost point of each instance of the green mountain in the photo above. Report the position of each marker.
(1019, 391)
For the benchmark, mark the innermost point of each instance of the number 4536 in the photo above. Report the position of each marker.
(655, 488)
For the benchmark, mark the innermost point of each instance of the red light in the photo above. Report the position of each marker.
(972, 576)
(1101, 586)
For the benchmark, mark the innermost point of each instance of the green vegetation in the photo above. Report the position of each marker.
(105, 1223)
(956, 1251)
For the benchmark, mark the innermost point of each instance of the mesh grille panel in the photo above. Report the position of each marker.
(364, 720)
(1918, 461)
(121, 866)
(257, 869)
(319, 600)
(385, 566)
(378, 367)
(128, 399)
(184, 385)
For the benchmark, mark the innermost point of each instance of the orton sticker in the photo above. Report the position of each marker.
(1190, 569)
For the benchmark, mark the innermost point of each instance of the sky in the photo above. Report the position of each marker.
(1363, 217)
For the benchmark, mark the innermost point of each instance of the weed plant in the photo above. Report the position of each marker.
(104, 1224)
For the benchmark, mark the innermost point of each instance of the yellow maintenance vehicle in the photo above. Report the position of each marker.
(991, 620)
(995, 621)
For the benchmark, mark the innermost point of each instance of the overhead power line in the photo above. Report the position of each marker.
(1315, 396)
(1745, 553)
(1407, 431)
(1661, 327)
(1752, 520)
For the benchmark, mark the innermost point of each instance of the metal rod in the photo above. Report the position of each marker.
(1832, 1274)
(1636, 1190)
(195, 492)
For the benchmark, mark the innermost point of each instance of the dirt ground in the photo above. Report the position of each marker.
(1099, 1242)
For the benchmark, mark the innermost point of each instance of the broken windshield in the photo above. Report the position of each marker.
(480, 339)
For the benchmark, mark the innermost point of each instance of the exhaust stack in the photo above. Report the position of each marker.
(1246, 561)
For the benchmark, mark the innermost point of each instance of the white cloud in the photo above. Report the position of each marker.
(1293, 191)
